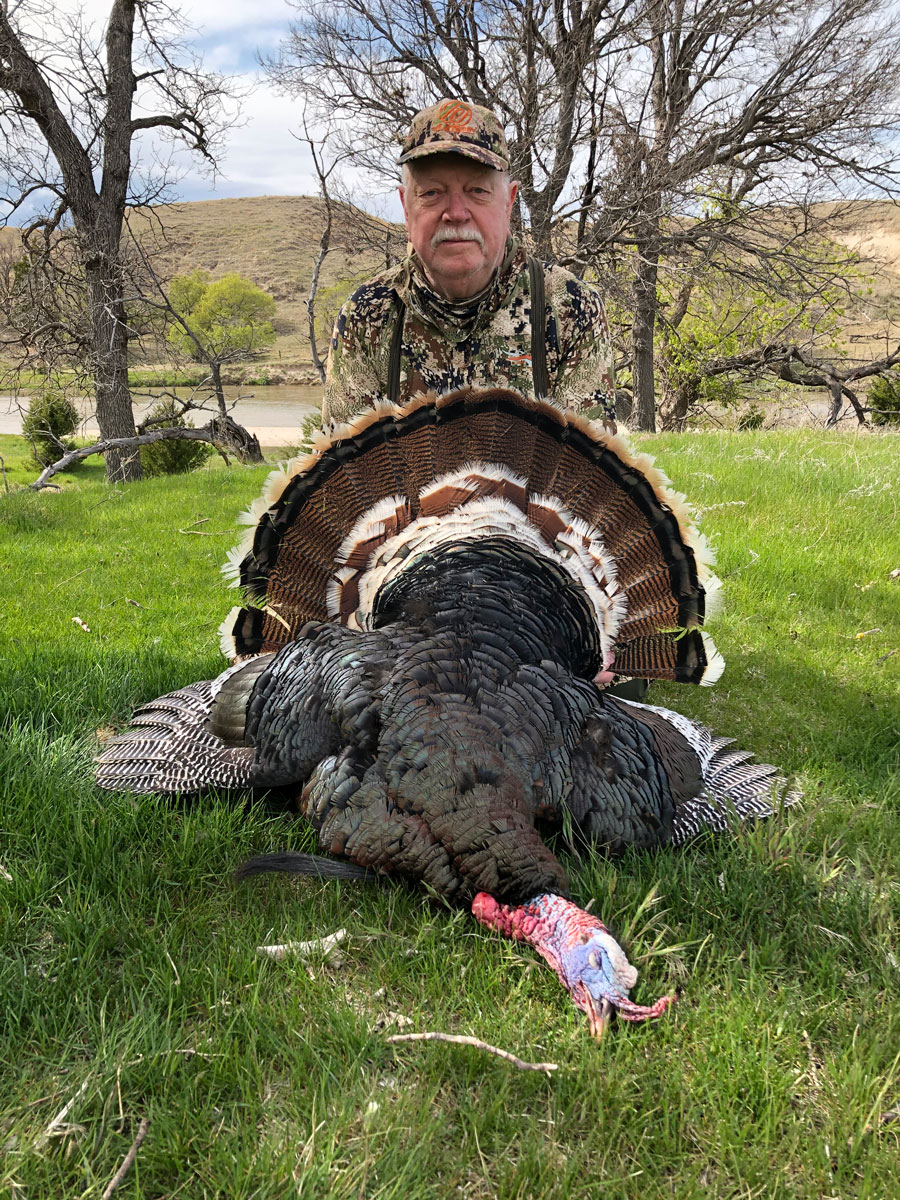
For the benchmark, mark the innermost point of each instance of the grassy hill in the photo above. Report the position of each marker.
(273, 240)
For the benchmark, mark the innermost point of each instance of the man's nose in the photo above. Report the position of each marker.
(456, 210)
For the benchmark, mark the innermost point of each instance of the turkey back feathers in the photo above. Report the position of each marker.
(338, 530)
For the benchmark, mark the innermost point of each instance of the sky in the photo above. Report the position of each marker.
(262, 156)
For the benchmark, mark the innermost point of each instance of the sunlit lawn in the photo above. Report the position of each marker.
(130, 982)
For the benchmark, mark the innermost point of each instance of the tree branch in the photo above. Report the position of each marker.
(204, 433)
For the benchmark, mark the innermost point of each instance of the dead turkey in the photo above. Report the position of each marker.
(442, 592)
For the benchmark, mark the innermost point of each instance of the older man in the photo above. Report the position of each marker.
(467, 307)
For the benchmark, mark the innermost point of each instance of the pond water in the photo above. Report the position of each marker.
(274, 413)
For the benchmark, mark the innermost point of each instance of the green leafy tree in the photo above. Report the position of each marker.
(219, 321)
(215, 323)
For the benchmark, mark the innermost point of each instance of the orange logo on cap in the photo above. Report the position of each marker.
(454, 118)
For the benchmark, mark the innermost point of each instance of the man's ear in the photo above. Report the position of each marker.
(402, 190)
(511, 198)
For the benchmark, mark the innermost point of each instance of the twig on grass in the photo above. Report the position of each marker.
(69, 578)
(203, 532)
(128, 1159)
(304, 949)
(459, 1039)
(58, 1123)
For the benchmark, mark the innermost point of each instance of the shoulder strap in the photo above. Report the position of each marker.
(538, 327)
(393, 388)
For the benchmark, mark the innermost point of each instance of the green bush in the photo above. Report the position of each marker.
(884, 400)
(231, 317)
(51, 418)
(752, 417)
(171, 457)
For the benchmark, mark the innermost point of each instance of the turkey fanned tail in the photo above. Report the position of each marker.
(170, 749)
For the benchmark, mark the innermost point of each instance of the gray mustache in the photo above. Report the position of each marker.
(449, 233)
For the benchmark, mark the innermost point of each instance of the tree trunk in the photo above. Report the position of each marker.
(642, 336)
(109, 366)
(837, 401)
(677, 401)
(233, 437)
(98, 220)
(215, 370)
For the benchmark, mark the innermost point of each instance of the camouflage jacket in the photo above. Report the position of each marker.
(482, 343)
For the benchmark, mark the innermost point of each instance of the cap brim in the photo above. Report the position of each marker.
(478, 153)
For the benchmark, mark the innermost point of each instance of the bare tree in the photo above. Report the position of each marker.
(345, 227)
(730, 122)
(649, 138)
(375, 63)
(805, 370)
(720, 317)
(69, 111)
(323, 173)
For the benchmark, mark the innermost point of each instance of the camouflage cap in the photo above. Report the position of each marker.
(456, 127)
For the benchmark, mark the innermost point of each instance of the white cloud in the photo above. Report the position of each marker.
(262, 155)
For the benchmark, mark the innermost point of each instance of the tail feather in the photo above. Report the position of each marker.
(734, 789)
(504, 465)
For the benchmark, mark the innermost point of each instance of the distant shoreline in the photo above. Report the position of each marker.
(274, 413)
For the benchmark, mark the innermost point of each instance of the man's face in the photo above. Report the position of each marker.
(457, 218)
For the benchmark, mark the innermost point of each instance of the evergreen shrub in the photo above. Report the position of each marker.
(51, 418)
(171, 457)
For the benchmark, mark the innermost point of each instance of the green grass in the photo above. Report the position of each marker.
(129, 980)
(167, 376)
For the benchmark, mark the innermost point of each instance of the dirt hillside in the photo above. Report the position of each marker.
(273, 240)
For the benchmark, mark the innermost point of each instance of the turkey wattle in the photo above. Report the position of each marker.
(439, 588)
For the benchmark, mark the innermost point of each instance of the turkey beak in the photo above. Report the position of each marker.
(600, 1019)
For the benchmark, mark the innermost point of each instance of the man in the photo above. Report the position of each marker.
(458, 310)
